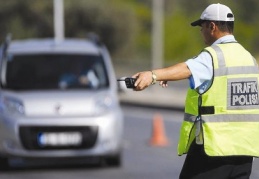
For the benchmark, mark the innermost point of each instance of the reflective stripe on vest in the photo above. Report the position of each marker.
(232, 70)
(230, 107)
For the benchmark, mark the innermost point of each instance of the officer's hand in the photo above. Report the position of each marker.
(143, 80)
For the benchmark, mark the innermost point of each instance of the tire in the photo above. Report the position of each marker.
(114, 161)
(4, 164)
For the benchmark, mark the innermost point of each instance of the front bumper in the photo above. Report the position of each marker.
(102, 136)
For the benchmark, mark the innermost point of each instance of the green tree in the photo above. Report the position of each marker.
(24, 19)
(125, 26)
(114, 24)
(34, 19)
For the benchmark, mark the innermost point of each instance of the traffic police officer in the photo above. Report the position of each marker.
(220, 129)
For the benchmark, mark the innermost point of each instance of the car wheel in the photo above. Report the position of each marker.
(114, 161)
(4, 164)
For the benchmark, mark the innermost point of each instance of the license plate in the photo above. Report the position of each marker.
(60, 139)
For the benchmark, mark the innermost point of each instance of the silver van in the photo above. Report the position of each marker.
(58, 99)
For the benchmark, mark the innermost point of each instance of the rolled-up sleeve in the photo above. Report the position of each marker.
(201, 69)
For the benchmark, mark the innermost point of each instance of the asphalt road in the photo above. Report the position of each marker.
(140, 159)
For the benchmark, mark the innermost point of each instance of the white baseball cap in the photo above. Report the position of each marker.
(215, 12)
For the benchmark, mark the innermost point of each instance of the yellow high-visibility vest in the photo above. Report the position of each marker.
(227, 113)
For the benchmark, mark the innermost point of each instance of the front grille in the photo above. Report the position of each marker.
(29, 136)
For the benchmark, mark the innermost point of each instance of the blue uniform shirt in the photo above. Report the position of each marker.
(201, 67)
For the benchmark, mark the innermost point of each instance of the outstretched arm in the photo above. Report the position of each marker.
(176, 72)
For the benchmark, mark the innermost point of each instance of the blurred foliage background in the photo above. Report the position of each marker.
(125, 26)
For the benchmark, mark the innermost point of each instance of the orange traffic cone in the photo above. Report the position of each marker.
(158, 137)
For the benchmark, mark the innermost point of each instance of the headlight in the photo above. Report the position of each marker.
(13, 106)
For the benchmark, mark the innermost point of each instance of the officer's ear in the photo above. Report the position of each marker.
(212, 26)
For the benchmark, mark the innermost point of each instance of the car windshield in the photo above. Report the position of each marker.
(55, 71)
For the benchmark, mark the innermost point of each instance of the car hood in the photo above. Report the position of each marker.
(64, 103)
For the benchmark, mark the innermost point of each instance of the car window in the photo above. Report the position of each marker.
(55, 71)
